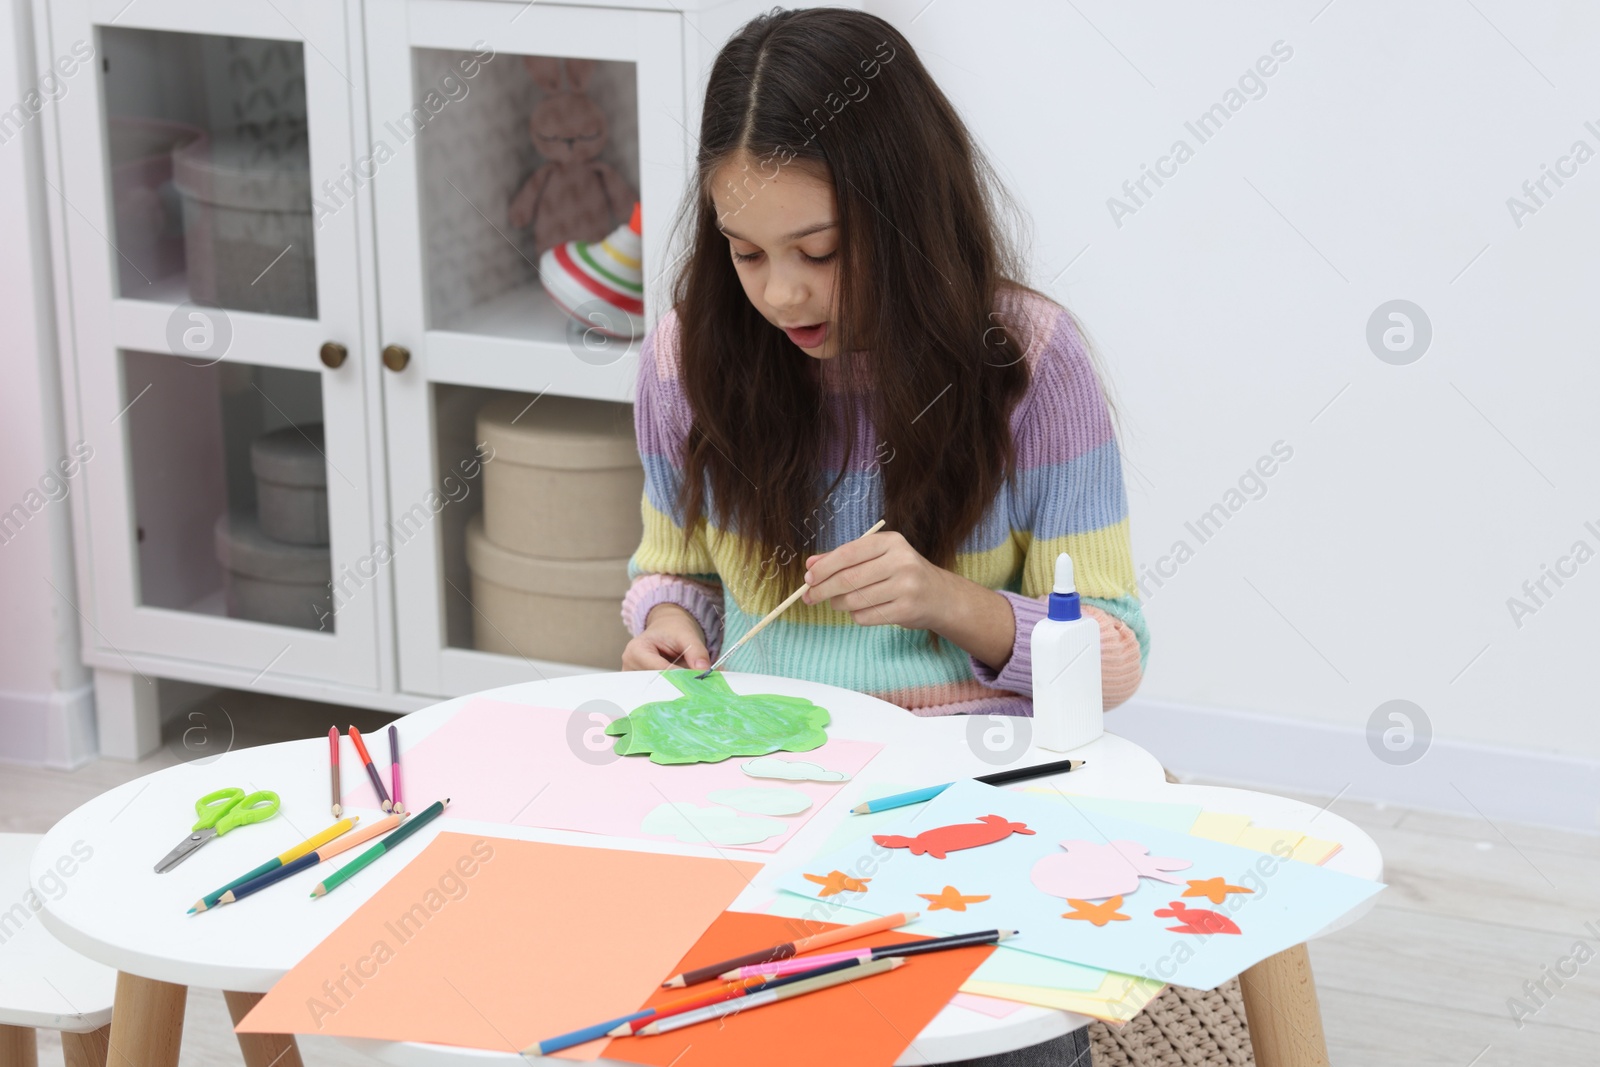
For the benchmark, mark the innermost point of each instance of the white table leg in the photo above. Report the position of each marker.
(127, 713)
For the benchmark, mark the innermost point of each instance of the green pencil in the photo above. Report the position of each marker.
(411, 826)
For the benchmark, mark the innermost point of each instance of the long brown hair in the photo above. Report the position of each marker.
(922, 260)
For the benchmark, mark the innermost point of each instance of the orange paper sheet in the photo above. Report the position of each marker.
(497, 944)
(867, 1023)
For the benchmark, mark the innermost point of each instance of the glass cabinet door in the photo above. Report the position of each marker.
(215, 294)
(501, 133)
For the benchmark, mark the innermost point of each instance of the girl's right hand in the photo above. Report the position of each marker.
(671, 638)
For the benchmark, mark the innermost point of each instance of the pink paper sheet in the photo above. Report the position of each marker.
(512, 763)
(993, 1007)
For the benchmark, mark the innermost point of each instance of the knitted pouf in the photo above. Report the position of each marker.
(1180, 1028)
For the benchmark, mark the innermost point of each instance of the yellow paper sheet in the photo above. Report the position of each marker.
(1220, 826)
(1119, 998)
(1267, 839)
(1315, 850)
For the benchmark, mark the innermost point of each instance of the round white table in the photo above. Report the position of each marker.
(122, 914)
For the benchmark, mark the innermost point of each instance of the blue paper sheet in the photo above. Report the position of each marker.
(1288, 902)
(1006, 965)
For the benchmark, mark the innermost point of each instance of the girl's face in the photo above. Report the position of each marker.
(784, 242)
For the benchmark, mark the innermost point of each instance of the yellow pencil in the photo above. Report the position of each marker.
(283, 859)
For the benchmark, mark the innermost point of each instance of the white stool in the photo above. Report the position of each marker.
(43, 983)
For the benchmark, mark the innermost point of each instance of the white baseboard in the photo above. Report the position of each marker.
(48, 729)
(1270, 752)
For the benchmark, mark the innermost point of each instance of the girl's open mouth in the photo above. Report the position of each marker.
(808, 336)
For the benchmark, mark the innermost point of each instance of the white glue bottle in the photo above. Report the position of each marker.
(1067, 704)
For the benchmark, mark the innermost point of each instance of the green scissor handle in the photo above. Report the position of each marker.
(229, 808)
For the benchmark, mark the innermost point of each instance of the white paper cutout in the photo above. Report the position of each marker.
(762, 800)
(791, 770)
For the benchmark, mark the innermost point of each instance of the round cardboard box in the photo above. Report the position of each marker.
(292, 484)
(564, 480)
(566, 611)
(273, 581)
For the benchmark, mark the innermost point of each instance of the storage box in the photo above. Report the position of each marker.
(247, 220)
(568, 611)
(272, 581)
(292, 484)
(149, 218)
(565, 480)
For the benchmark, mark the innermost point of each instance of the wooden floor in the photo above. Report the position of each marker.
(1424, 980)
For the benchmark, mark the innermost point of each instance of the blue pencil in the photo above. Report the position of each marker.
(588, 1033)
(1016, 774)
(254, 885)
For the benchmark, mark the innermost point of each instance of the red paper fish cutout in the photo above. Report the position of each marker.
(1197, 920)
(942, 839)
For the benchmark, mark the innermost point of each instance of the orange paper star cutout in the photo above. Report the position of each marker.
(1213, 889)
(950, 900)
(838, 882)
(1099, 914)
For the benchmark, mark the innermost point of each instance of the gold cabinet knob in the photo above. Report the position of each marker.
(334, 354)
(395, 357)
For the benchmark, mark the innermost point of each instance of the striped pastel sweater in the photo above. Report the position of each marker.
(1068, 497)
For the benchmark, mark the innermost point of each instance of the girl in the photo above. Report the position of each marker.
(848, 341)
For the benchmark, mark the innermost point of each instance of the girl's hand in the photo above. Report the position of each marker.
(671, 638)
(881, 580)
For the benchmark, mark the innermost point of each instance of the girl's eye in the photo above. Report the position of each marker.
(748, 257)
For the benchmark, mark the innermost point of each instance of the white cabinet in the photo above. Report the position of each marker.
(298, 216)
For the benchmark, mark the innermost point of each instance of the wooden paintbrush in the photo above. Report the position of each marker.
(773, 614)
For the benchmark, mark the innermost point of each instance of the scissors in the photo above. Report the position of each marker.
(219, 812)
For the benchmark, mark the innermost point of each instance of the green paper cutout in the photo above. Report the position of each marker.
(710, 722)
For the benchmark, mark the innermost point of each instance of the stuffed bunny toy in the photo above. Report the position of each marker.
(574, 196)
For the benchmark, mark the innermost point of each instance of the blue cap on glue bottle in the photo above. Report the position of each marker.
(1064, 606)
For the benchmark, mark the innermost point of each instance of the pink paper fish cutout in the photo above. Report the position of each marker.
(1092, 871)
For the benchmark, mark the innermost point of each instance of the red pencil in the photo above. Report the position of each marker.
(372, 772)
(333, 764)
(727, 991)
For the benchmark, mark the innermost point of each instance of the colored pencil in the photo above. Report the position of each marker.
(372, 772)
(791, 948)
(763, 997)
(413, 824)
(578, 1037)
(321, 855)
(727, 991)
(310, 844)
(800, 964)
(767, 619)
(333, 767)
(1016, 774)
(394, 769)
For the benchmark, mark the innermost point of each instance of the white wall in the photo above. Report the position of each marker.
(46, 710)
(1231, 310)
